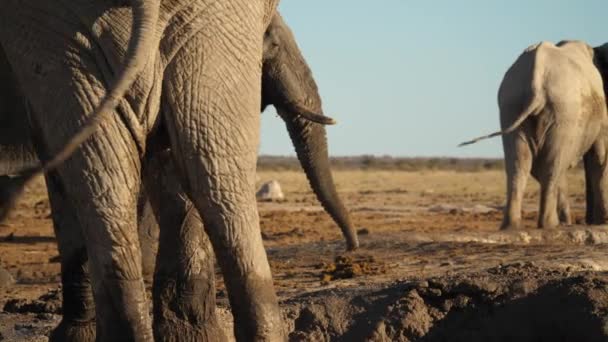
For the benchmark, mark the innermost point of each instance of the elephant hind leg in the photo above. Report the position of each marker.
(563, 204)
(551, 176)
(518, 164)
(102, 179)
(184, 278)
(547, 216)
(78, 321)
(214, 130)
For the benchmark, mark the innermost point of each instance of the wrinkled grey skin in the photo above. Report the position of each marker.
(553, 112)
(209, 72)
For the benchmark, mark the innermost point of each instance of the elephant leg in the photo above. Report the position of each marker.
(105, 191)
(102, 177)
(518, 164)
(78, 322)
(589, 200)
(214, 132)
(597, 178)
(563, 204)
(184, 279)
(547, 216)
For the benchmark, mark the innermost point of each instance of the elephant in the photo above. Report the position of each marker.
(279, 88)
(202, 74)
(289, 90)
(553, 113)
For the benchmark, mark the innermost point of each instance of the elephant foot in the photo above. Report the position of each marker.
(76, 331)
(548, 225)
(548, 222)
(181, 330)
(565, 218)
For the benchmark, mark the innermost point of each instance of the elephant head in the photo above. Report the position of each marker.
(288, 84)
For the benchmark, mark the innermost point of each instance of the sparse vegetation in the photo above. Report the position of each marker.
(369, 162)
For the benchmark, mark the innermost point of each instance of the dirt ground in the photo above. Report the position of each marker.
(432, 264)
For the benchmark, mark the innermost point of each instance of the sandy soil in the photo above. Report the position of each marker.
(423, 235)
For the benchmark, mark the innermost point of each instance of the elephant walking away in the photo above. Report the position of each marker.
(552, 113)
(207, 62)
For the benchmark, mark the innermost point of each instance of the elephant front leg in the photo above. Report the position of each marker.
(184, 279)
(518, 163)
(213, 96)
(78, 322)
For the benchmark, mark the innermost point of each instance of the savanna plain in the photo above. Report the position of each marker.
(432, 265)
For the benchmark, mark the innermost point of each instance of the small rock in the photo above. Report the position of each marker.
(270, 191)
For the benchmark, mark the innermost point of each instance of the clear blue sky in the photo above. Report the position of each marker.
(415, 78)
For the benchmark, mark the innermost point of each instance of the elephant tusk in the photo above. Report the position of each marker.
(320, 119)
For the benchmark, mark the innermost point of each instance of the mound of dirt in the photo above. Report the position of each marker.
(518, 302)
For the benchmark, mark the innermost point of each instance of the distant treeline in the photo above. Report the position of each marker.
(368, 162)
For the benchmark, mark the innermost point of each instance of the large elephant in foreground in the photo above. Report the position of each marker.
(114, 61)
(291, 89)
(553, 112)
(287, 83)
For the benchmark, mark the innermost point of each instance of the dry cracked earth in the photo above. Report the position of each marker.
(432, 267)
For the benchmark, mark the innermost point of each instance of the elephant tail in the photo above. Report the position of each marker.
(141, 43)
(532, 109)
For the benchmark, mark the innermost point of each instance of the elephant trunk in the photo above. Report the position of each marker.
(310, 142)
(288, 84)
